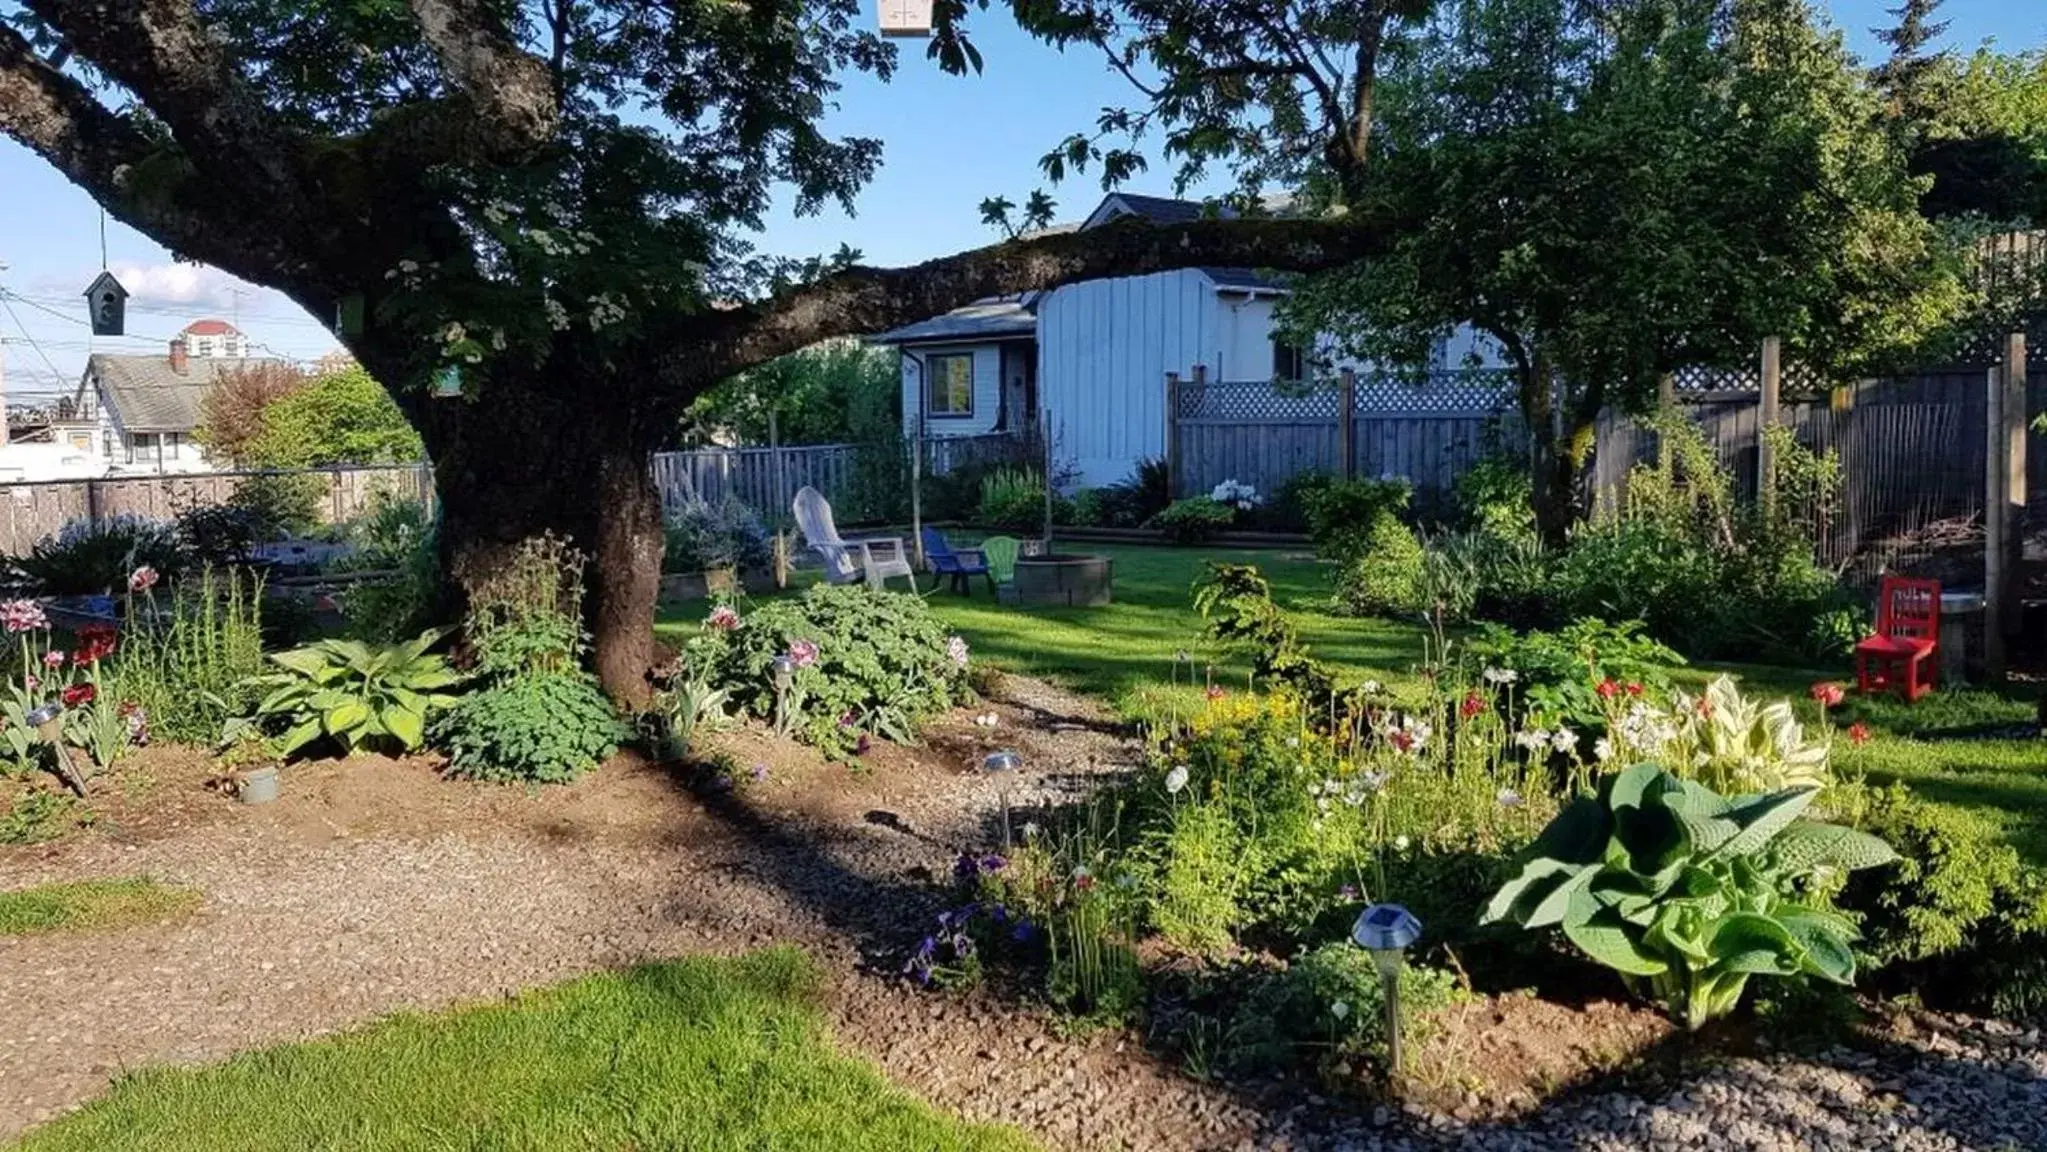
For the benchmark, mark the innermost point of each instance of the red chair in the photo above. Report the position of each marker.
(1901, 653)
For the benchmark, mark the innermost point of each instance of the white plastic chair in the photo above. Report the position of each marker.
(873, 559)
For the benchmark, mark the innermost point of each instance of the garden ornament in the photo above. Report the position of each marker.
(1004, 766)
(1387, 931)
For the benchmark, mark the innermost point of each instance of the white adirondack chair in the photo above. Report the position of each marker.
(873, 559)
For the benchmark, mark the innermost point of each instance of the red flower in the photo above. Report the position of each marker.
(1472, 706)
(1858, 733)
(1828, 693)
(1608, 689)
(1215, 692)
(1402, 739)
(1704, 708)
(79, 694)
(1634, 687)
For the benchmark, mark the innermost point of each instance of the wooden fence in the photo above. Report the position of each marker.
(862, 481)
(34, 511)
(1429, 431)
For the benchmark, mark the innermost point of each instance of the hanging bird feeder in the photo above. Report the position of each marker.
(447, 383)
(905, 17)
(107, 303)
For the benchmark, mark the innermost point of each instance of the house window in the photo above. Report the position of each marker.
(1289, 361)
(950, 384)
(142, 448)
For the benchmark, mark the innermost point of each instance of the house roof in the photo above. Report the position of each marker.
(210, 328)
(1155, 209)
(1243, 279)
(147, 396)
(1000, 318)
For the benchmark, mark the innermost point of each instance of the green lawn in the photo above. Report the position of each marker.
(706, 1055)
(89, 905)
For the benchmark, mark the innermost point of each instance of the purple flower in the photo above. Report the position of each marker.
(864, 745)
(1348, 892)
(966, 867)
(994, 862)
(759, 772)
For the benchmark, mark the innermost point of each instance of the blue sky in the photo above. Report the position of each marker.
(949, 142)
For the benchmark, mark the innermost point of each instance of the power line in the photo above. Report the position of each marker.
(4, 303)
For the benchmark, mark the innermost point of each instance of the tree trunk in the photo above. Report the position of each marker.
(518, 460)
(1561, 449)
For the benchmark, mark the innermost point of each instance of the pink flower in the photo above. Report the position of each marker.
(1215, 692)
(142, 579)
(23, 616)
(1858, 733)
(53, 659)
(803, 653)
(1828, 693)
(1609, 688)
(1472, 706)
(722, 619)
(31, 682)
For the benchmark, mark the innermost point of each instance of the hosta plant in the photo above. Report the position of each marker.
(358, 695)
(1737, 745)
(1687, 893)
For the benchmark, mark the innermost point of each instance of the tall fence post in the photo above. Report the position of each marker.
(917, 497)
(1994, 520)
(2012, 456)
(1346, 426)
(1172, 453)
(1766, 456)
(95, 503)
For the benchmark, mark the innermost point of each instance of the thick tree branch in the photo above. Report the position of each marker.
(867, 300)
(161, 50)
(56, 118)
(512, 91)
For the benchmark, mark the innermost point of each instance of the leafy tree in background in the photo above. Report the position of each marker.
(836, 393)
(1611, 192)
(341, 417)
(1982, 138)
(554, 198)
(231, 416)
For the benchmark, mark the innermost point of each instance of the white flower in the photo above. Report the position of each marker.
(1563, 739)
(1602, 749)
(453, 333)
(1030, 830)
(1176, 779)
(1370, 687)
(497, 339)
(1293, 741)
(1509, 798)
(1400, 843)
(1497, 676)
(1340, 1010)
(1532, 739)
(557, 316)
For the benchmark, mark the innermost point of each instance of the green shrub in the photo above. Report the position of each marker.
(1199, 856)
(219, 534)
(1132, 501)
(1496, 497)
(356, 695)
(399, 540)
(95, 558)
(1387, 577)
(1294, 501)
(1014, 499)
(1956, 886)
(701, 536)
(868, 662)
(190, 668)
(540, 728)
(281, 504)
(1194, 520)
(1331, 1004)
(1345, 517)
(1089, 509)
(1557, 674)
(1688, 894)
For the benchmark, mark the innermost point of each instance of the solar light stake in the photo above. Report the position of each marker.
(1003, 766)
(1386, 931)
(48, 721)
(784, 669)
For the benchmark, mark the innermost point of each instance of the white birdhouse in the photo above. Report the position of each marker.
(905, 17)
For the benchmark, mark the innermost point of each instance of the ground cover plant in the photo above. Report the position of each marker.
(92, 905)
(700, 1054)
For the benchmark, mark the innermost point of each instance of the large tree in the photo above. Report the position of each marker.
(554, 198)
(1609, 192)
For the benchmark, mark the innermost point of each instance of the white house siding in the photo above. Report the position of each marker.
(1104, 348)
(987, 390)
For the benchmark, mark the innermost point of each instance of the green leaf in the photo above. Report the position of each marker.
(1609, 940)
(308, 662)
(1762, 817)
(407, 725)
(300, 736)
(1539, 896)
(1807, 845)
(347, 717)
(1752, 942)
(1827, 951)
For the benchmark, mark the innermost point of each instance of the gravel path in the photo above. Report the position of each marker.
(375, 888)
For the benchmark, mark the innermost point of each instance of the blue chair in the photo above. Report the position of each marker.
(961, 565)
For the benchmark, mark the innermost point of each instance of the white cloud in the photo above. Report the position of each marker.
(193, 286)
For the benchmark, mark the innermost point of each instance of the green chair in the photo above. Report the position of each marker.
(1000, 552)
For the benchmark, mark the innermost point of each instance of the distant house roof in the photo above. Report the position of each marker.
(1243, 279)
(1000, 318)
(147, 396)
(1155, 209)
(210, 328)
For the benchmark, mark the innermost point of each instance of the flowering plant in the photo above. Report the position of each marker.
(1242, 497)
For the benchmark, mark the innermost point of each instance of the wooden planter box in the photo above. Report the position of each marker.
(703, 585)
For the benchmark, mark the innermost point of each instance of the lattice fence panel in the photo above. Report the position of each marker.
(1256, 402)
(1456, 391)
